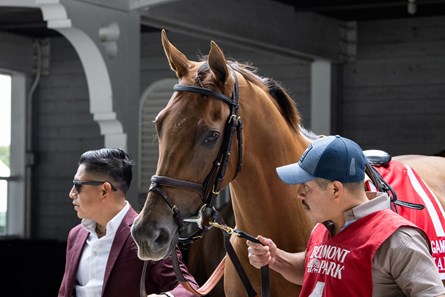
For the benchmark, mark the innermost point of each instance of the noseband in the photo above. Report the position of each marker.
(211, 186)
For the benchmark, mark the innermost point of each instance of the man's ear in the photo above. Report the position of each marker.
(106, 189)
(337, 188)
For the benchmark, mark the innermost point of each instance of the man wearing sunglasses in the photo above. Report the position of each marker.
(101, 256)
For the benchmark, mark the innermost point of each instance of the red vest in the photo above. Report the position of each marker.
(410, 187)
(342, 265)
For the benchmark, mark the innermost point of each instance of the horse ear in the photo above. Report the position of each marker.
(217, 63)
(177, 60)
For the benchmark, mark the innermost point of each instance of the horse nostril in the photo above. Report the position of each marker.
(162, 238)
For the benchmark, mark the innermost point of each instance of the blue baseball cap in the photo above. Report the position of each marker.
(332, 158)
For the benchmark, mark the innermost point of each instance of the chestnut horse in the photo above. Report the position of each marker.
(212, 95)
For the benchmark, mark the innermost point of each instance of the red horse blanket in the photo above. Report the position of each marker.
(411, 188)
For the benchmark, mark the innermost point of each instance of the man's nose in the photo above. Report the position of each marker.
(72, 193)
(300, 192)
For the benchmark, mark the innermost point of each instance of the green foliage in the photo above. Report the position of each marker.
(5, 154)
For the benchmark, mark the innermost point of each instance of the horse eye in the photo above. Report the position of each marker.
(211, 138)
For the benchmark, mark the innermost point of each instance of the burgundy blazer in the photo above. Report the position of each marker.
(124, 268)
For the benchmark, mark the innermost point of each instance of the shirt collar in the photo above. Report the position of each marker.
(377, 201)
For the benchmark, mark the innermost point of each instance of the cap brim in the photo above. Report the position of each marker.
(293, 174)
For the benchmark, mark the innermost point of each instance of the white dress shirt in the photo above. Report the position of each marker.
(91, 272)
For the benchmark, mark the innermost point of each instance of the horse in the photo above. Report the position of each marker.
(216, 97)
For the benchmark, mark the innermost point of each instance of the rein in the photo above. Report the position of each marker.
(382, 185)
(208, 191)
(218, 222)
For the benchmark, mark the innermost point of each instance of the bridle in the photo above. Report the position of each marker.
(208, 191)
(211, 186)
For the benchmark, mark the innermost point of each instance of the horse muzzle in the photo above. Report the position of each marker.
(154, 241)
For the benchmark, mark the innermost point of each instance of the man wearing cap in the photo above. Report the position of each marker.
(359, 246)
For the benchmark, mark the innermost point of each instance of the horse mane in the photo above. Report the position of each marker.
(286, 104)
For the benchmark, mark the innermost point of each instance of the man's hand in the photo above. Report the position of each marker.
(261, 254)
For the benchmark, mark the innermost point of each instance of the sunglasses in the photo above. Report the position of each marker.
(78, 183)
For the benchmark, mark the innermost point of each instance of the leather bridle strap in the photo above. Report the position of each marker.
(157, 180)
(177, 215)
(205, 92)
(142, 291)
(239, 268)
(383, 186)
(227, 231)
(217, 220)
(177, 183)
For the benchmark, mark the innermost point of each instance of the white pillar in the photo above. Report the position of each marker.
(321, 96)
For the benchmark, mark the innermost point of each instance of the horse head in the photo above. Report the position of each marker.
(194, 149)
